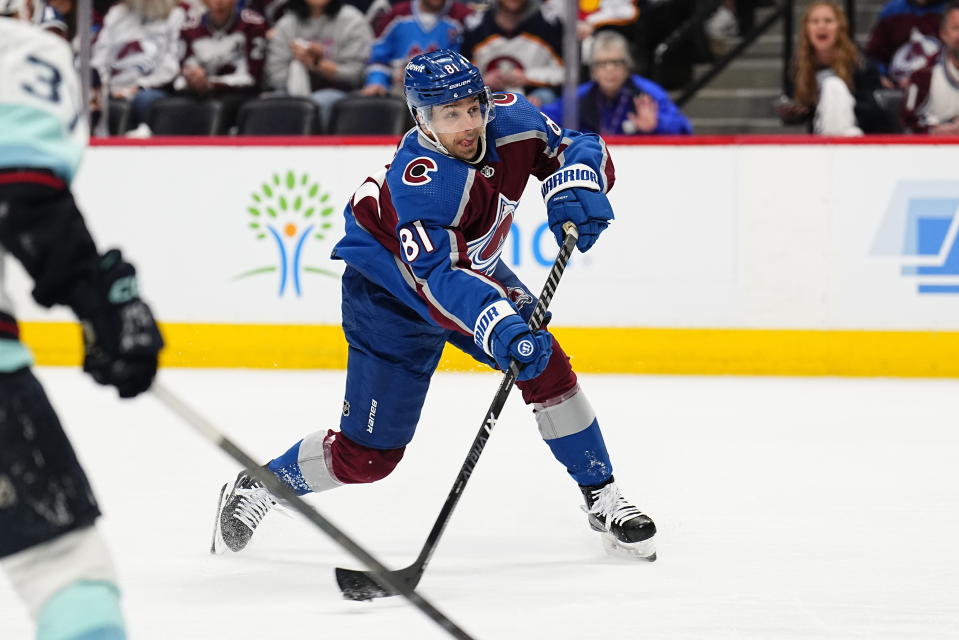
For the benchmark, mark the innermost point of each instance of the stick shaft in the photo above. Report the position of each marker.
(499, 401)
(205, 428)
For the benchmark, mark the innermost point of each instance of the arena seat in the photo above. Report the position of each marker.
(118, 117)
(279, 116)
(372, 115)
(178, 116)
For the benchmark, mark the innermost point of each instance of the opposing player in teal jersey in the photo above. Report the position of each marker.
(49, 546)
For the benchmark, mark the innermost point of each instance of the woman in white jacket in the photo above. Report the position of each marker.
(319, 49)
(135, 53)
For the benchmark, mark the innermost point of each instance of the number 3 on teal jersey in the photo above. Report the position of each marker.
(47, 82)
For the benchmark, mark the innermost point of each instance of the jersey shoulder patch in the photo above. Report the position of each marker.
(417, 171)
(505, 99)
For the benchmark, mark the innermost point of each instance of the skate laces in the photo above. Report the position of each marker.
(253, 503)
(610, 505)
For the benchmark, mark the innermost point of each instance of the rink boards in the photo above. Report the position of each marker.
(771, 256)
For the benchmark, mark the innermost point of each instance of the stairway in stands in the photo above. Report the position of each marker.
(740, 99)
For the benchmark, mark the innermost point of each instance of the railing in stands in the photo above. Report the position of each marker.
(784, 11)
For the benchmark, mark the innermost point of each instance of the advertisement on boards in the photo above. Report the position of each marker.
(755, 237)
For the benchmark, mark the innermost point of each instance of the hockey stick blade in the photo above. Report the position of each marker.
(363, 585)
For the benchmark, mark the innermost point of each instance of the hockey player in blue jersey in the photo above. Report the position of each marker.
(49, 546)
(422, 248)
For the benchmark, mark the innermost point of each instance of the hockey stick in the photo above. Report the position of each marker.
(205, 428)
(366, 585)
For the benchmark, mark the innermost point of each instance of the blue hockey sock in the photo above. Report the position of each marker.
(85, 610)
(287, 468)
(584, 455)
(568, 425)
(307, 466)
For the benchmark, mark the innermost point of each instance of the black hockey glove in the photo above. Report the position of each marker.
(120, 337)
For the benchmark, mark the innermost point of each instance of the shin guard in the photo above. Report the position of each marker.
(567, 421)
(323, 461)
(307, 466)
(568, 425)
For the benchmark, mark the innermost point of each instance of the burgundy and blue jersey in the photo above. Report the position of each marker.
(894, 27)
(231, 55)
(430, 228)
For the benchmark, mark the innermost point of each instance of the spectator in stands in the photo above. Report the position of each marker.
(932, 93)
(135, 55)
(597, 14)
(319, 49)
(271, 10)
(615, 102)
(223, 51)
(722, 28)
(517, 45)
(409, 29)
(903, 37)
(59, 17)
(834, 84)
(374, 10)
(619, 15)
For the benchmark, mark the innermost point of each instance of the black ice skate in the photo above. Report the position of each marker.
(626, 530)
(240, 509)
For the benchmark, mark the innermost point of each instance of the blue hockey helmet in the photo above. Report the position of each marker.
(441, 77)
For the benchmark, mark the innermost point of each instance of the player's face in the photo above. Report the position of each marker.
(949, 33)
(822, 28)
(459, 126)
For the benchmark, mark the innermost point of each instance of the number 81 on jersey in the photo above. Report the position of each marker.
(415, 240)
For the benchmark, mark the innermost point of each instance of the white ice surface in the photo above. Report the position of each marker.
(787, 508)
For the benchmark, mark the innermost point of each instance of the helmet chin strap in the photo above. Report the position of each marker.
(480, 147)
(432, 138)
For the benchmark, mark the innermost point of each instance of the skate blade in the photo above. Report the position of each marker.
(645, 550)
(217, 546)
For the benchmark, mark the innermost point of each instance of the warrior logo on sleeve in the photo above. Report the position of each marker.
(417, 172)
(484, 252)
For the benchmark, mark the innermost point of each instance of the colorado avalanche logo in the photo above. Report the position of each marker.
(136, 55)
(504, 99)
(913, 55)
(520, 297)
(417, 172)
(484, 252)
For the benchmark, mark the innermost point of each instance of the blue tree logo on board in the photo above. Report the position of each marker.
(289, 210)
(920, 227)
